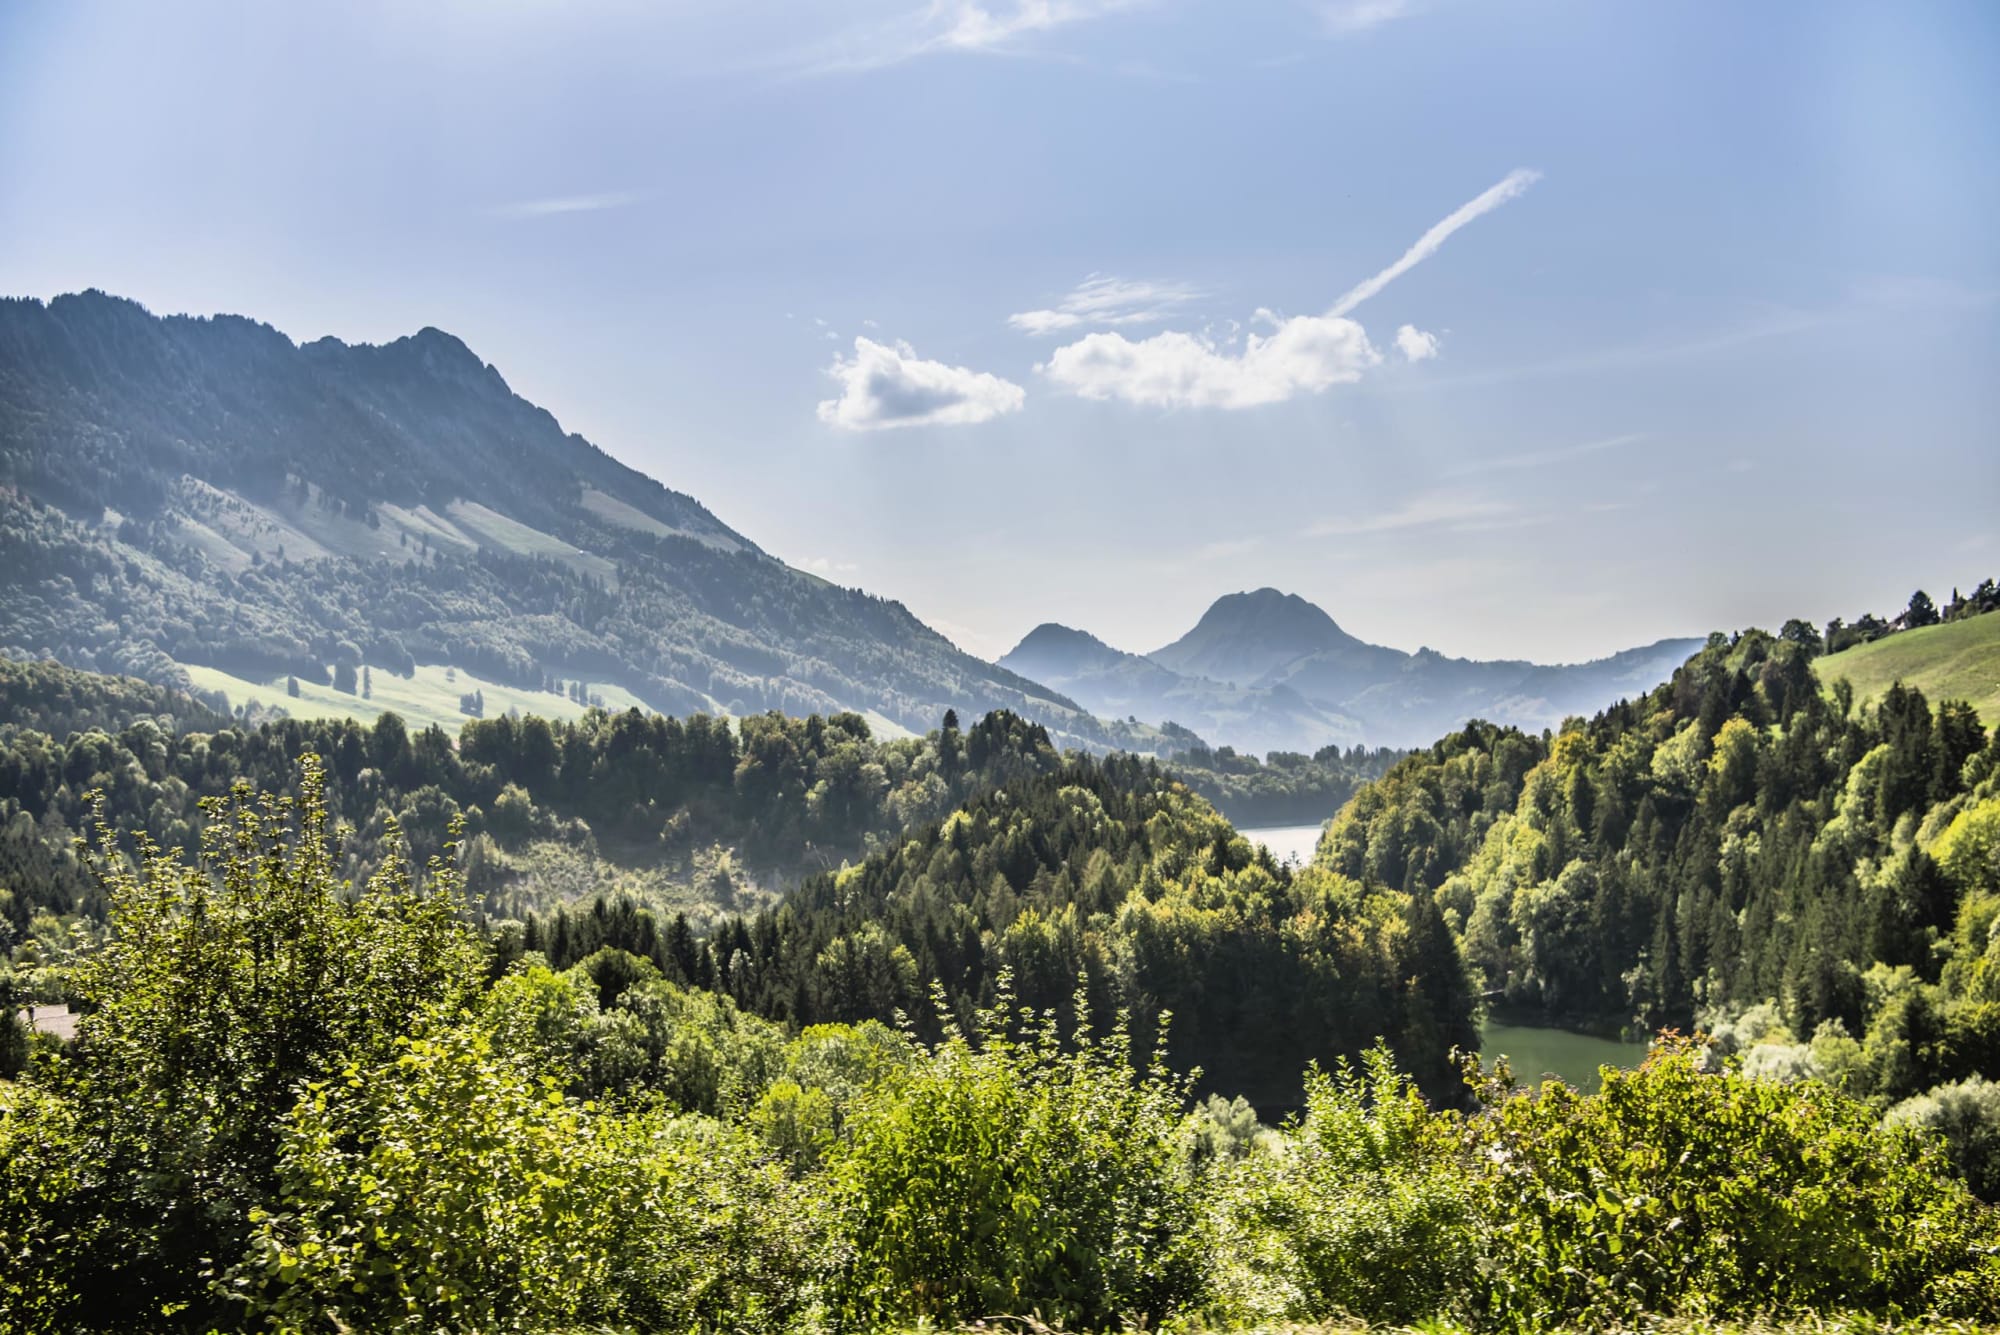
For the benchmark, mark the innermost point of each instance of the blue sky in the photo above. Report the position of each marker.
(1575, 324)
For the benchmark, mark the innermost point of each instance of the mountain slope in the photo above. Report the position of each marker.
(1279, 642)
(204, 491)
(1120, 685)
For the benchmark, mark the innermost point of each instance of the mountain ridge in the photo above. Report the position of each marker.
(202, 489)
(1278, 653)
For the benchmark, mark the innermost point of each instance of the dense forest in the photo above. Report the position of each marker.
(610, 795)
(295, 1105)
(1740, 850)
(1054, 868)
(1104, 875)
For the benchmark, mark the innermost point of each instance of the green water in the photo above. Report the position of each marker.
(1572, 1058)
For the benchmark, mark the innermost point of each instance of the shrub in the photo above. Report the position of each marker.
(1966, 1115)
(442, 1190)
(1679, 1190)
(43, 1232)
(1002, 1176)
(1361, 1209)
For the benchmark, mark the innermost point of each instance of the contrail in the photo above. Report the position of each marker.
(1516, 183)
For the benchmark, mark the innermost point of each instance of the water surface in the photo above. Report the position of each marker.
(1288, 843)
(1573, 1058)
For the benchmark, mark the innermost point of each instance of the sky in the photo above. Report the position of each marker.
(1532, 330)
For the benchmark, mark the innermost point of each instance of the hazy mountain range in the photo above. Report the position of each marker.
(203, 496)
(1266, 671)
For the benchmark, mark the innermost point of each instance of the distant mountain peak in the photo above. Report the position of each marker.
(1055, 650)
(1053, 633)
(1243, 637)
(1273, 611)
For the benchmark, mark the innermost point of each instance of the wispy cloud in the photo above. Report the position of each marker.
(1549, 457)
(1343, 17)
(1433, 509)
(946, 26)
(1302, 354)
(886, 385)
(1512, 186)
(1106, 299)
(557, 204)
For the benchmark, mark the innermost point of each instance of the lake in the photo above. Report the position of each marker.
(1571, 1057)
(1288, 843)
(1534, 1051)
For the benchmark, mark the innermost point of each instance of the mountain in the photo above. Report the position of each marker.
(1255, 720)
(1402, 699)
(1244, 636)
(1266, 671)
(203, 501)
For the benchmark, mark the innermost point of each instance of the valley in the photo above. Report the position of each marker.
(715, 849)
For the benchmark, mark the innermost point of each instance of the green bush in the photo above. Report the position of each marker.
(1001, 1176)
(45, 1228)
(1683, 1190)
(1966, 1113)
(448, 1189)
(1363, 1208)
(442, 1190)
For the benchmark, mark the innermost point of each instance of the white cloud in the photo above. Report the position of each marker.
(887, 385)
(1301, 355)
(1105, 299)
(947, 25)
(1511, 186)
(1428, 510)
(1342, 17)
(1415, 344)
(544, 208)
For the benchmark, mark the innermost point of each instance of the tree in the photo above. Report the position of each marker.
(1921, 611)
(367, 683)
(1805, 635)
(345, 679)
(221, 988)
(292, 687)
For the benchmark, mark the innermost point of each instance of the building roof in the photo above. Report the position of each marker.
(57, 1019)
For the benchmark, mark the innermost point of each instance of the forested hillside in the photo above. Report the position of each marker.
(691, 816)
(204, 491)
(1740, 843)
(1108, 872)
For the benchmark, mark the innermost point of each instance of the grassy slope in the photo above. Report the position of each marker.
(1956, 661)
(422, 700)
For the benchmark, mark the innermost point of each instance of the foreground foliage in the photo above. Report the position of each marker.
(299, 1107)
